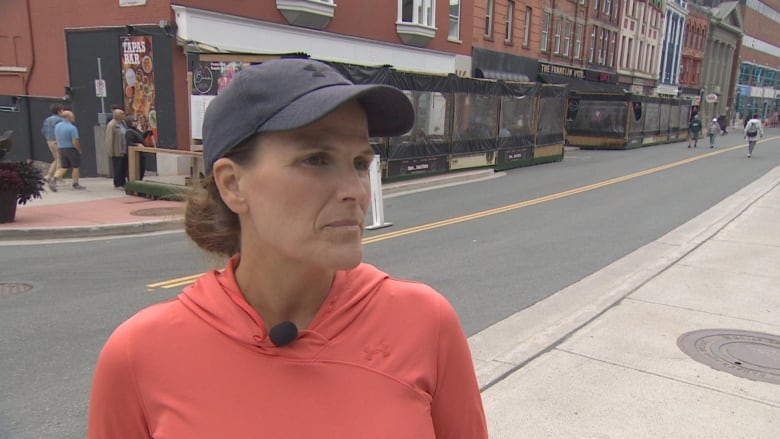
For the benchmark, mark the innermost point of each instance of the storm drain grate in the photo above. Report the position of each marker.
(746, 354)
(13, 288)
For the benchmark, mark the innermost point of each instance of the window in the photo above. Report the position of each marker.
(557, 40)
(629, 48)
(510, 18)
(592, 49)
(417, 11)
(527, 29)
(567, 37)
(607, 6)
(454, 20)
(623, 49)
(744, 73)
(612, 49)
(769, 78)
(639, 63)
(545, 31)
(603, 39)
(596, 5)
(578, 41)
(489, 19)
(758, 76)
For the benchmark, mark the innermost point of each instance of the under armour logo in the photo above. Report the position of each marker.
(316, 70)
(383, 349)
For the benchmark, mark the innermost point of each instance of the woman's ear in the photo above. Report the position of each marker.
(227, 176)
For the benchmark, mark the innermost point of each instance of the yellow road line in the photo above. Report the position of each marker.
(182, 281)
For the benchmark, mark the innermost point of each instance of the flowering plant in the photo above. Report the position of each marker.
(21, 178)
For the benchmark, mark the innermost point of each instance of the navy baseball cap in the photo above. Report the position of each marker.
(286, 94)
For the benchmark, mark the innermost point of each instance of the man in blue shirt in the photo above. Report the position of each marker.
(48, 132)
(67, 136)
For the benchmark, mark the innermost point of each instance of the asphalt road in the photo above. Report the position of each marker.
(492, 247)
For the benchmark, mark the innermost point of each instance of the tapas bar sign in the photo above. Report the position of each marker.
(138, 81)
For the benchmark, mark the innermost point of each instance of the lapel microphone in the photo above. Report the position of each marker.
(283, 334)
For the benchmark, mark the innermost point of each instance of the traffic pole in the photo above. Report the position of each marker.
(377, 203)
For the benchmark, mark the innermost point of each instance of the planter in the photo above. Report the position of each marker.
(7, 206)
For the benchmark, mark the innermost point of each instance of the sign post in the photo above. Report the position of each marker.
(377, 204)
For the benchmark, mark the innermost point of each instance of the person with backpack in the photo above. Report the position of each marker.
(713, 131)
(694, 129)
(753, 130)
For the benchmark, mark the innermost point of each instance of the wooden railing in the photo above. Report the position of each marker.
(196, 160)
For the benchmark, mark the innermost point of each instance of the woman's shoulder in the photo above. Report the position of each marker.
(149, 323)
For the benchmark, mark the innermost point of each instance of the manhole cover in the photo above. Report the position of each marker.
(9, 289)
(746, 354)
(158, 211)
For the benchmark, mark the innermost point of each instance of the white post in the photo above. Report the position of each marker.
(377, 204)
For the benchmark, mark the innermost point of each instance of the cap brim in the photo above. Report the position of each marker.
(388, 110)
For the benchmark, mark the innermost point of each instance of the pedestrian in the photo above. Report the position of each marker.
(713, 131)
(694, 129)
(69, 149)
(116, 145)
(134, 137)
(722, 124)
(48, 132)
(753, 130)
(295, 337)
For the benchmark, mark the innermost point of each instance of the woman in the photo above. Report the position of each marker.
(295, 338)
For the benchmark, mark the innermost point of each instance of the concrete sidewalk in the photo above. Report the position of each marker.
(603, 359)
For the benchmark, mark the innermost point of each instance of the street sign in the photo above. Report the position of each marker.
(100, 88)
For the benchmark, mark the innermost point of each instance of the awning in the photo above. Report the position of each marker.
(574, 84)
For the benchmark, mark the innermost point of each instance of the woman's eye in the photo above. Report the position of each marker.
(361, 164)
(315, 160)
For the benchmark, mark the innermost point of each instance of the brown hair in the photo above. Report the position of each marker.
(207, 220)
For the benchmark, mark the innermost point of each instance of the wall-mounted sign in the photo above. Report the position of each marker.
(100, 88)
(561, 70)
(711, 98)
(138, 81)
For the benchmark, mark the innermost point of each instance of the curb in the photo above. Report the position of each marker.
(72, 232)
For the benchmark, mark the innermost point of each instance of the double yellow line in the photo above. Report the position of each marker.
(183, 281)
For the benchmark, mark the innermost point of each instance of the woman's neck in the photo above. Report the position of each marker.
(281, 291)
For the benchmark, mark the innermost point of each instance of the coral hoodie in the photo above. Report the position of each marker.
(383, 358)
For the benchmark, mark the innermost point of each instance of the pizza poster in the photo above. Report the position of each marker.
(138, 82)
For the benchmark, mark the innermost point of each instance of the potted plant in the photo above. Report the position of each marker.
(20, 182)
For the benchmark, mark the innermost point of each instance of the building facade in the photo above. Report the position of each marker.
(694, 44)
(719, 64)
(676, 13)
(641, 25)
(758, 77)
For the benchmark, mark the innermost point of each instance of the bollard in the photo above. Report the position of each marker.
(377, 204)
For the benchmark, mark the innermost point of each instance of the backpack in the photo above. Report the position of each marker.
(752, 129)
